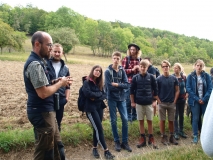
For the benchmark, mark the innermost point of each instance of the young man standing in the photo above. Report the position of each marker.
(145, 87)
(152, 70)
(131, 66)
(57, 68)
(168, 92)
(116, 82)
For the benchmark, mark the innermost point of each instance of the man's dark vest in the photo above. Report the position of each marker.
(144, 89)
(34, 103)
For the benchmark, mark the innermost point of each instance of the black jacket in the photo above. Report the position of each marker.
(144, 88)
(94, 96)
(64, 71)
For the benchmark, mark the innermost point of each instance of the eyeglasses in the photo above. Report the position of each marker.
(50, 45)
(165, 66)
(98, 71)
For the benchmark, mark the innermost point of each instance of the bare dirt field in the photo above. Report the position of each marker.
(13, 113)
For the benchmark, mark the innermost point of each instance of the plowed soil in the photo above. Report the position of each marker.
(13, 99)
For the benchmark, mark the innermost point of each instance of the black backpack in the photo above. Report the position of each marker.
(81, 98)
(157, 72)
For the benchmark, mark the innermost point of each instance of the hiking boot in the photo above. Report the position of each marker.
(117, 146)
(95, 153)
(176, 136)
(195, 140)
(142, 142)
(164, 140)
(126, 146)
(152, 142)
(182, 134)
(172, 140)
(108, 155)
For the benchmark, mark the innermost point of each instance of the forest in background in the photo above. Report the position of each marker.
(71, 28)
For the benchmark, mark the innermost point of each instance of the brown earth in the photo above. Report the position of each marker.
(13, 113)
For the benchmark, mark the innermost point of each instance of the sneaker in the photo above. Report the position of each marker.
(176, 136)
(117, 146)
(142, 142)
(126, 146)
(95, 153)
(152, 142)
(172, 140)
(108, 155)
(164, 140)
(195, 140)
(182, 134)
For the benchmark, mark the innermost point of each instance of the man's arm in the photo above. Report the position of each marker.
(67, 94)
(36, 74)
(46, 91)
(177, 91)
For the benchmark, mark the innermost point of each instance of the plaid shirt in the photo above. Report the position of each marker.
(131, 65)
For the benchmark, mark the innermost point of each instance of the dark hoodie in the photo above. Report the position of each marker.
(94, 96)
(116, 93)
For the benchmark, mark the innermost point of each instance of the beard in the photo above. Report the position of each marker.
(44, 54)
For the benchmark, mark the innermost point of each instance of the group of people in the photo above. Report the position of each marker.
(130, 86)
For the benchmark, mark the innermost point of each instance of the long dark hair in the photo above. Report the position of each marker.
(99, 81)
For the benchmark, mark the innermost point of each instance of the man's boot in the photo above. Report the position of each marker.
(142, 141)
(152, 141)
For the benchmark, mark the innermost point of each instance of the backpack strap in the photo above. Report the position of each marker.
(111, 73)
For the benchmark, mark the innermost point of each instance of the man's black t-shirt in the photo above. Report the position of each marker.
(166, 88)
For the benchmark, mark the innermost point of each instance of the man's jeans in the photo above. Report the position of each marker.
(197, 109)
(121, 106)
(48, 143)
(131, 112)
(60, 112)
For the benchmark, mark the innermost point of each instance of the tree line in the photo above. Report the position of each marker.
(71, 28)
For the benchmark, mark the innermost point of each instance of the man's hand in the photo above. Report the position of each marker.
(64, 81)
(133, 104)
(114, 84)
(135, 67)
(70, 80)
(201, 102)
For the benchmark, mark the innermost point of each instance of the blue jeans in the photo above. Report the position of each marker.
(197, 110)
(131, 112)
(179, 116)
(121, 106)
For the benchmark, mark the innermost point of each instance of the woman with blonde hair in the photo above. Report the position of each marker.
(199, 87)
(181, 101)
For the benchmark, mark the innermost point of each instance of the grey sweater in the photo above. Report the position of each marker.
(206, 137)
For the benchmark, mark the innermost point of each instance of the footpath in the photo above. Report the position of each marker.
(84, 151)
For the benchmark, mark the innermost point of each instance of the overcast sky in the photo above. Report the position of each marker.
(188, 17)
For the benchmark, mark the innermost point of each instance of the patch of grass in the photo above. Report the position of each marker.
(17, 138)
(79, 133)
(16, 56)
(76, 134)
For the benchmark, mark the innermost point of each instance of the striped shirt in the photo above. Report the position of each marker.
(128, 69)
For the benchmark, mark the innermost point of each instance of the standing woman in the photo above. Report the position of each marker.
(199, 87)
(181, 101)
(94, 107)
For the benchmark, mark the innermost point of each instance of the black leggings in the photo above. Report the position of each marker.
(95, 119)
